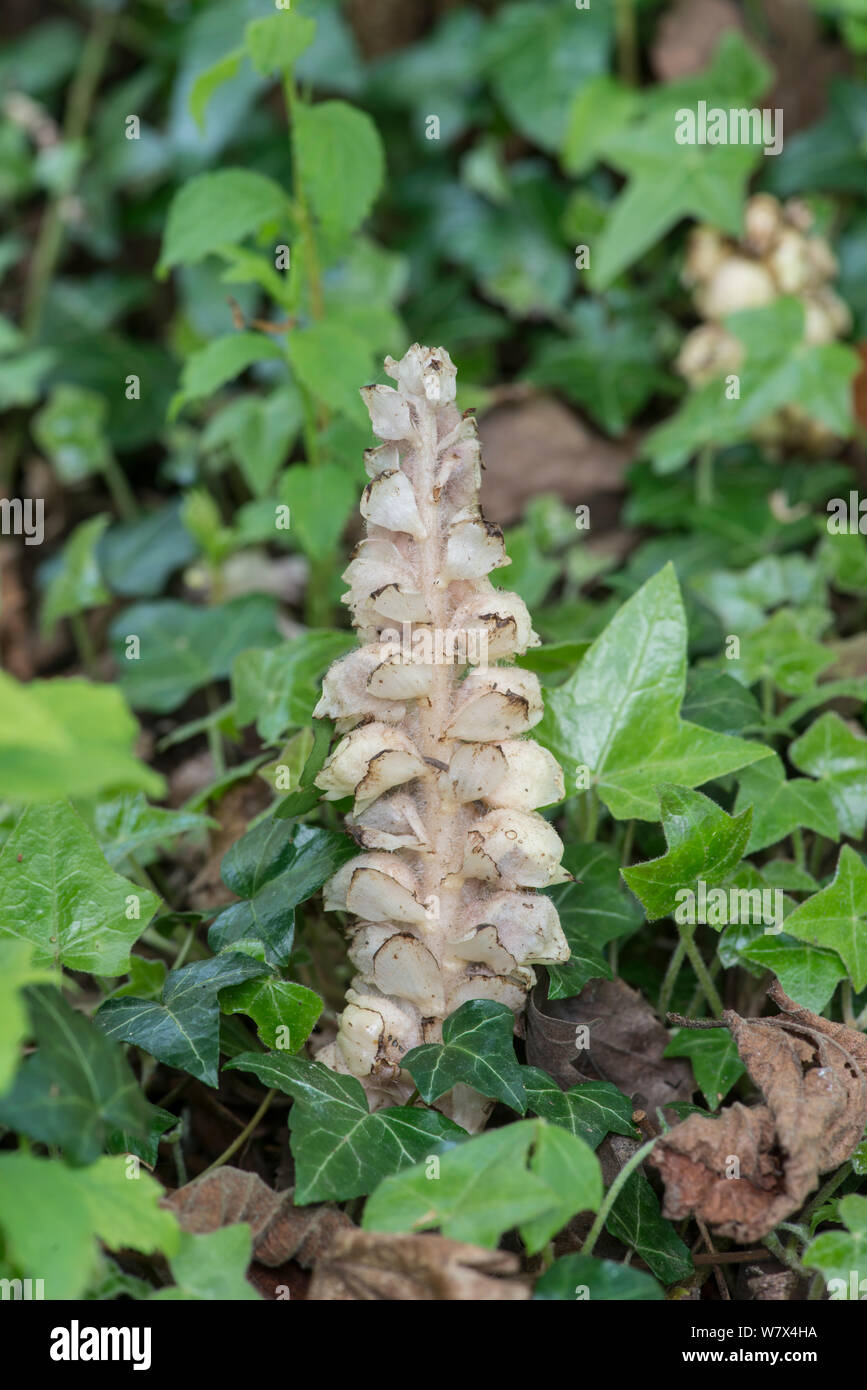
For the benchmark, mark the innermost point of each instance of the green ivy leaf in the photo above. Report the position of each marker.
(715, 1062)
(52, 1218)
(703, 843)
(128, 825)
(668, 183)
(58, 892)
(476, 1051)
(71, 429)
(182, 647)
(619, 714)
(717, 701)
(211, 1266)
(181, 1029)
(537, 54)
(273, 868)
(591, 1110)
(215, 209)
(137, 558)
(783, 652)
(833, 752)
(284, 1013)
(341, 1150)
(67, 738)
(807, 974)
(340, 162)
(781, 807)
(836, 917)
(77, 583)
(529, 1174)
(609, 365)
(77, 1087)
(16, 971)
(580, 1276)
(636, 1219)
(593, 910)
(840, 1254)
(279, 687)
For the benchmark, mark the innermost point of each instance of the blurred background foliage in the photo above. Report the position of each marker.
(170, 384)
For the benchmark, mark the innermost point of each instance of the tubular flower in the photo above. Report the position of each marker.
(433, 749)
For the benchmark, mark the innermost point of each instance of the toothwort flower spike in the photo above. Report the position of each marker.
(446, 784)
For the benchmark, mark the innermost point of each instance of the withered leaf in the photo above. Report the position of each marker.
(753, 1166)
(626, 1042)
(365, 1265)
(280, 1230)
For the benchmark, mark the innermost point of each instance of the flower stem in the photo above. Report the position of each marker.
(613, 1193)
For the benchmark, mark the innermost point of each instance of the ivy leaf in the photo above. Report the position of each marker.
(580, 1276)
(307, 794)
(77, 1087)
(341, 1150)
(211, 1266)
(833, 752)
(783, 652)
(591, 1110)
(636, 1219)
(340, 162)
(78, 583)
(717, 701)
(279, 687)
(840, 1254)
(781, 807)
(16, 971)
(529, 1174)
(182, 647)
(703, 843)
(707, 182)
(609, 365)
(58, 892)
(476, 1050)
(274, 867)
(128, 825)
(593, 910)
(835, 917)
(716, 1065)
(807, 974)
(537, 54)
(52, 1218)
(67, 738)
(138, 557)
(215, 209)
(618, 716)
(284, 1013)
(182, 1028)
(830, 154)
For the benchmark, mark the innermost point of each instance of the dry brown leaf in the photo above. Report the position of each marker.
(627, 1042)
(408, 1268)
(812, 1078)
(280, 1230)
(541, 446)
